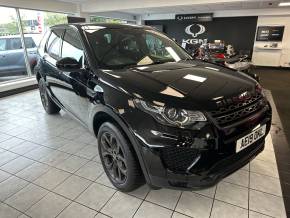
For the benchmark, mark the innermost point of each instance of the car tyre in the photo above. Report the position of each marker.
(118, 158)
(49, 106)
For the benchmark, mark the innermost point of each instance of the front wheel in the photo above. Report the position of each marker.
(49, 106)
(118, 158)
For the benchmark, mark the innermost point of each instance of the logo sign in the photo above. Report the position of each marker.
(244, 96)
(194, 30)
(194, 34)
(194, 17)
(241, 98)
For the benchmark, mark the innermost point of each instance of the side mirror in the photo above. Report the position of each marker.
(68, 65)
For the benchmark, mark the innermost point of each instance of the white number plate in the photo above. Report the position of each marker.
(249, 139)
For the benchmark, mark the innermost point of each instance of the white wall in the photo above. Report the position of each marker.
(115, 5)
(46, 5)
(273, 57)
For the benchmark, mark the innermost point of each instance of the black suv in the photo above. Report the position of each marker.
(159, 116)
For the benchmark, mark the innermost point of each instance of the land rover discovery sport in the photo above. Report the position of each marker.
(159, 116)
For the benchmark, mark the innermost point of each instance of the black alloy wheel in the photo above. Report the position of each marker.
(43, 94)
(113, 156)
(49, 106)
(118, 158)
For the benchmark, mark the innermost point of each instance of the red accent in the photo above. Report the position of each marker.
(220, 55)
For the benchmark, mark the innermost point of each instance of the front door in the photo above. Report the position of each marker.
(75, 82)
(49, 59)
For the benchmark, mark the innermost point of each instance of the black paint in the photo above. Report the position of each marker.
(238, 31)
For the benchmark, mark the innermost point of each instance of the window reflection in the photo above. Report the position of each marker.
(12, 53)
(12, 61)
(72, 46)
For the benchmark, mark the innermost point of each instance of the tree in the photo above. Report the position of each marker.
(10, 28)
(51, 19)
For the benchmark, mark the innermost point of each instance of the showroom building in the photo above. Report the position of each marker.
(145, 109)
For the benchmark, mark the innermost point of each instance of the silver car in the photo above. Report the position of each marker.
(12, 62)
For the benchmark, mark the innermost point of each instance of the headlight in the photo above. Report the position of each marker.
(170, 116)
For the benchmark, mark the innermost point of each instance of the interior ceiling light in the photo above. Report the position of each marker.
(284, 4)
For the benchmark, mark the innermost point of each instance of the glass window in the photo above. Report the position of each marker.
(15, 43)
(155, 46)
(29, 42)
(72, 46)
(132, 46)
(3, 44)
(12, 59)
(35, 25)
(53, 44)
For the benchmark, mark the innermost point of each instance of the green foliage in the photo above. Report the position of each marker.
(97, 19)
(51, 19)
(10, 28)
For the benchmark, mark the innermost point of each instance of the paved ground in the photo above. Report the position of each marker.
(278, 81)
(49, 166)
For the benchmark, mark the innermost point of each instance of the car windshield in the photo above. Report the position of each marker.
(122, 47)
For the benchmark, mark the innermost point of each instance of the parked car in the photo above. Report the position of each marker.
(12, 62)
(158, 115)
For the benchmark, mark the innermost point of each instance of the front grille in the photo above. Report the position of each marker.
(178, 159)
(238, 111)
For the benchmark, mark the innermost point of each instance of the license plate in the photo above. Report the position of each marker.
(249, 139)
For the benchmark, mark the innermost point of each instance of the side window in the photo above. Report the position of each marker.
(29, 42)
(43, 41)
(53, 44)
(15, 43)
(72, 46)
(3, 44)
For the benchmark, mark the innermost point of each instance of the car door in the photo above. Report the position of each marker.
(15, 57)
(75, 86)
(3, 52)
(49, 58)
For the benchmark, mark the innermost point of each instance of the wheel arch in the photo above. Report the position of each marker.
(105, 114)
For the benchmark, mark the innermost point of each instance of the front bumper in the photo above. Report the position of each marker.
(210, 158)
(162, 177)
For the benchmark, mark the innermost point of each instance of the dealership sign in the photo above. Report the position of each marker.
(194, 17)
(194, 30)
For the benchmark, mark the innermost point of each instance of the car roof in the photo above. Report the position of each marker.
(16, 36)
(107, 25)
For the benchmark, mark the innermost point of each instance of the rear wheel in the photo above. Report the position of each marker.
(118, 158)
(49, 106)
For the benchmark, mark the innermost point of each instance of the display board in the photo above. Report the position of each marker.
(71, 19)
(237, 31)
(270, 33)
